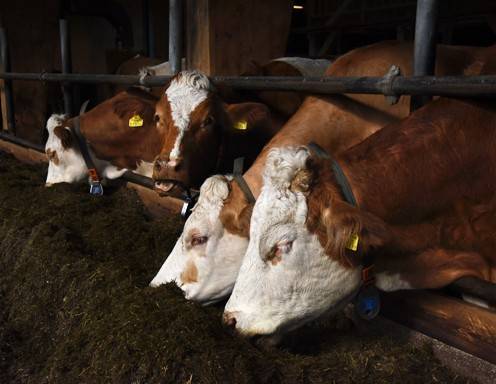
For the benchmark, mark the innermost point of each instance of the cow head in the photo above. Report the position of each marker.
(65, 163)
(207, 256)
(297, 267)
(196, 123)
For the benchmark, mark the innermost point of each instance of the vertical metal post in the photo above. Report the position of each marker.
(424, 59)
(175, 34)
(7, 84)
(65, 54)
(148, 30)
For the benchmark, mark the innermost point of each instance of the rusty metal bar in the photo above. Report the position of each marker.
(461, 86)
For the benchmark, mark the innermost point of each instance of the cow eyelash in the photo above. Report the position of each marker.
(198, 240)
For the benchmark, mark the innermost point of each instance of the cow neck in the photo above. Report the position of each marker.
(403, 173)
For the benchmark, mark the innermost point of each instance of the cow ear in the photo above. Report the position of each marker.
(349, 228)
(247, 116)
(65, 136)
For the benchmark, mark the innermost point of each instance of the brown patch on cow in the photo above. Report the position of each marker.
(190, 273)
(65, 136)
(52, 156)
(236, 213)
(301, 181)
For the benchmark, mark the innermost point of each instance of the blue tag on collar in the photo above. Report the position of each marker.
(96, 189)
(368, 302)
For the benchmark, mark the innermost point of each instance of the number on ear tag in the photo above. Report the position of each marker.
(241, 125)
(136, 121)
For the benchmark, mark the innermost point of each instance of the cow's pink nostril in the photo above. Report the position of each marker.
(229, 320)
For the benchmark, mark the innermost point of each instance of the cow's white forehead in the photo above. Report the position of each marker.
(54, 121)
(283, 164)
(188, 90)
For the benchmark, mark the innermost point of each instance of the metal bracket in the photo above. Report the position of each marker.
(387, 84)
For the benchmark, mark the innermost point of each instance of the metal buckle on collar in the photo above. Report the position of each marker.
(96, 188)
(189, 202)
(368, 301)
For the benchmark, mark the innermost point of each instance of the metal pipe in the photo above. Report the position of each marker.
(424, 56)
(149, 38)
(475, 287)
(21, 142)
(65, 54)
(175, 34)
(7, 85)
(461, 86)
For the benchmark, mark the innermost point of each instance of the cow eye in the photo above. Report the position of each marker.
(198, 240)
(275, 254)
(156, 118)
(209, 121)
(284, 247)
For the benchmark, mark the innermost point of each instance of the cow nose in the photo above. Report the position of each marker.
(229, 320)
(159, 164)
(174, 163)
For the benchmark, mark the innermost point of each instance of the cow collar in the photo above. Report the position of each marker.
(239, 179)
(367, 301)
(96, 188)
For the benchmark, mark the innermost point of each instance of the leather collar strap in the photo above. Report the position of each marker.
(347, 191)
(95, 183)
(367, 300)
(238, 178)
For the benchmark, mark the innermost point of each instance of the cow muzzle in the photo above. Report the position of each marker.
(167, 173)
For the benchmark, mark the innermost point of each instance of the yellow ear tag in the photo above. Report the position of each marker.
(242, 125)
(353, 243)
(136, 121)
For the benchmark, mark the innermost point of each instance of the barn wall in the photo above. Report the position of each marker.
(33, 34)
(223, 36)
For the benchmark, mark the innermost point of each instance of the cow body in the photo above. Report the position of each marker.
(113, 144)
(215, 236)
(406, 178)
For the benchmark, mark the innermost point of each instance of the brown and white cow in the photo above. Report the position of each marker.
(298, 265)
(115, 146)
(204, 134)
(208, 254)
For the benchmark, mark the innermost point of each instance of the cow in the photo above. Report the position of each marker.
(308, 243)
(194, 112)
(114, 145)
(207, 256)
(204, 134)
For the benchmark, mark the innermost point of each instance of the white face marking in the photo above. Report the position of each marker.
(304, 283)
(184, 94)
(217, 259)
(71, 167)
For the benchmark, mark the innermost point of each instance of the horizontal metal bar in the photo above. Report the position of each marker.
(23, 143)
(475, 287)
(470, 86)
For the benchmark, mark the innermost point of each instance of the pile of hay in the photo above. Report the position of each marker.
(75, 306)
